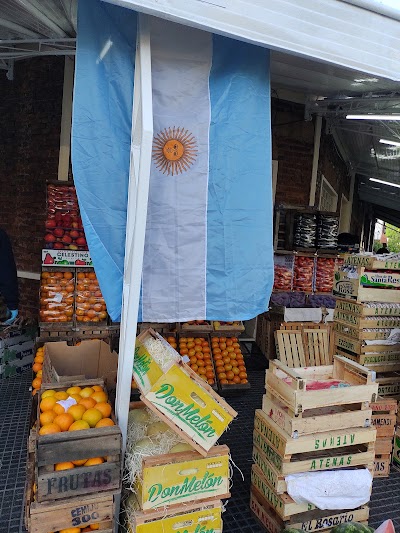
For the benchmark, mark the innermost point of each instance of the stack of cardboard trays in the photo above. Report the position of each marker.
(16, 350)
(312, 419)
(184, 488)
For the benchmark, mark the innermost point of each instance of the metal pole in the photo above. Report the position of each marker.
(139, 177)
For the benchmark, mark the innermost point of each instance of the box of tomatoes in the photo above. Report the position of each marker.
(229, 363)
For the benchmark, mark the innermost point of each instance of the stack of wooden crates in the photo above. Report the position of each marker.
(305, 425)
(179, 491)
(58, 498)
(368, 310)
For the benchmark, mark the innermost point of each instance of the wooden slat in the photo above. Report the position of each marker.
(290, 347)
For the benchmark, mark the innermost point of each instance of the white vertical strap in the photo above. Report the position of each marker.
(139, 175)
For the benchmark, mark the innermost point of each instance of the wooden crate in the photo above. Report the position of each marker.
(372, 263)
(361, 289)
(68, 446)
(81, 511)
(196, 329)
(190, 518)
(361, 322)
(236, 327)
(309, 521)
(297, 348)
(279, 455)
(362, 334)
(363, 310)
(384, 416)
(378, 362)
(382, 465)
(358, 347)
(315, 420)
(383, 446)
(180, 390)
(292, 386)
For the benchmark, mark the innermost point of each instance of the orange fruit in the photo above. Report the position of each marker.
(39, 359)
(74, 390)
(49, 429)
(62, 395)
(47, 417)
(210, 381)
(88, 403)
(236, 379)
(76, 397)
(224, 381)
(235, 370)
(76, 411)
(64, 421)
(86, 392)
(104, 408)
(210, 374)
(48, 393)
(94, 526)
(39, 373)
(99, 396)
(97, 388)
(230, 375)
(36, 383)
(202, 371)
(48, 403)
(194, 368)
(71, 530)
(34, 392)
(78, 425)
(79, 462)
(64, 466)
(37, 366)
(242, 375)
(104, 422)
(243, 381)
(58, 409)
(94, 461)
(92, 417)
(191, 353)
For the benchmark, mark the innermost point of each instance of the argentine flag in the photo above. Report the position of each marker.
(208, 248)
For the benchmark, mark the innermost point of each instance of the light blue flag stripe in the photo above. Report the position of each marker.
(240, 214)
(101, 136)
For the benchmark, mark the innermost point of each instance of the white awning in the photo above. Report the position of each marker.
(333, 31)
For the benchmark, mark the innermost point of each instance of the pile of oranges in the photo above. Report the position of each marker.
(228, 360)
(90, 304)
(199, 353)
(57, 296)
(91, 410)
(37, 370)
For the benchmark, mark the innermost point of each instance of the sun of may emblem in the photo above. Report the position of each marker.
(174, 150)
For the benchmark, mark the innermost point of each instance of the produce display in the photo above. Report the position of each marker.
(325, 269)
(196, 324)
(57, 296)
(90, 304)
(235, 325)
(82, 529)
(75, 409)
(327, 231)
(64, 229)
(199, 353)
(229, 361)
(303, 274)
(305, 230)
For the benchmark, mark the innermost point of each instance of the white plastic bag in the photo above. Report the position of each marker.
(331, 489)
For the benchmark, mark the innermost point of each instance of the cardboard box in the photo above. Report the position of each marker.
(90, 360)
(396, 448)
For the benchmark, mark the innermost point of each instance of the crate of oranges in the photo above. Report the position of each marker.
(229, 363)
(198, 352)
(78, 444)
(57, 290)
(90, 305)
(79, 514)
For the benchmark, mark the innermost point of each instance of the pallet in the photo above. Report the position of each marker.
(284, 455)
(311, 421)
(75, 445)
(297, 349)
(290, 386)
(310, 521)
(81, 511)
(382, 465)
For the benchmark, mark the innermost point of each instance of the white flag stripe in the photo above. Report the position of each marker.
(174, 268)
